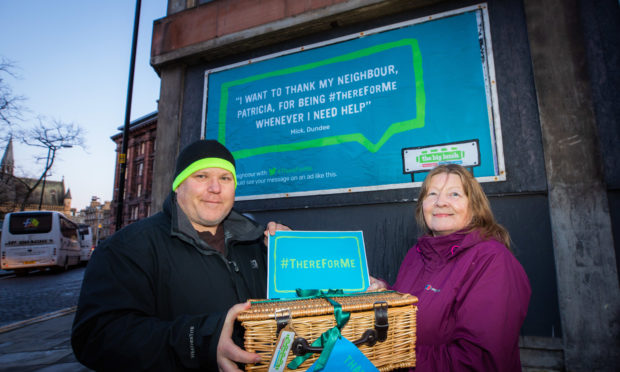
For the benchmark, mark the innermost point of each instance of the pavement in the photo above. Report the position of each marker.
(41, 344)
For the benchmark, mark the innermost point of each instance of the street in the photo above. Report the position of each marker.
(38, 293)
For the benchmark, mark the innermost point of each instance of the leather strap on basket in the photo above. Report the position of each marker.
(329, 337)
(381, 320)
(283, 317)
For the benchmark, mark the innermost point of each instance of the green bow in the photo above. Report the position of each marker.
(329, 337)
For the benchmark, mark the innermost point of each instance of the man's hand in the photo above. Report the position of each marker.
(227, 351)
(271, 229)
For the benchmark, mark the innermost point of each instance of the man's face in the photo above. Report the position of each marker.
(206, 197)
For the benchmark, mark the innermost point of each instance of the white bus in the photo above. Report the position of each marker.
(37, 240)
(86, 242)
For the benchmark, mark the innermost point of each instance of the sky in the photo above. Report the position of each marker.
(72, 59)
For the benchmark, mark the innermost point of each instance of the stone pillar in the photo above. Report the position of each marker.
(587, 276)
(168, 133)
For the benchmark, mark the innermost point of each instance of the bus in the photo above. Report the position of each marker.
(86, 242)
(38, 239)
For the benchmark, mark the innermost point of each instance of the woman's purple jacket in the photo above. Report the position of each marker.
(473, 297)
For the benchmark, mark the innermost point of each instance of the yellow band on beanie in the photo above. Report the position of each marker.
(202, 164)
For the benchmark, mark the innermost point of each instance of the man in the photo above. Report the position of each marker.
(156, 295)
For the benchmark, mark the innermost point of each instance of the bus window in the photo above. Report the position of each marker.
(68, 229)
(30, 223)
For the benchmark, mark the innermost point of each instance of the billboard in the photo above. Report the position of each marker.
(337, 116)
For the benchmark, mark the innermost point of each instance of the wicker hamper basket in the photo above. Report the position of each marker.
(311, 317)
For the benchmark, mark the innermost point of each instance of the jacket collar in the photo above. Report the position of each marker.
(236, 226)
(443, 248)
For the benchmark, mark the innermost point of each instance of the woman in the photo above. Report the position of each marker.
(473, 294)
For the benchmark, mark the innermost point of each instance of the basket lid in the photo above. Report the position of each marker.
(314, 306)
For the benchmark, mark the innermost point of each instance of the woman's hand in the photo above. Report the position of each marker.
(376, 284)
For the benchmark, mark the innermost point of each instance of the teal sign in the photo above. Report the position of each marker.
(316, 260)
(346, 357)
(336, 117)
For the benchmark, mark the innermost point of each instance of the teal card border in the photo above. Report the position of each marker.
(275, 287)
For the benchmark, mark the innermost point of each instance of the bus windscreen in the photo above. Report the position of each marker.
(30, 223)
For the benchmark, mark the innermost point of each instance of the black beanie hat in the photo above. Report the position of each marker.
(203, 154)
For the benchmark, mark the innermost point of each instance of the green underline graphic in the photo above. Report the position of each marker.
(333, 140)
(393, 129)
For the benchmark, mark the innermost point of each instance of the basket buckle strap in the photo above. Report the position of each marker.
(303, 350)
(283, 317)
(369, 337)
(381, 320)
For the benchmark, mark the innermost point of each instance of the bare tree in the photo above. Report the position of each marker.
(53, 135)
(49, 134)
(11, 114)
(11, 108)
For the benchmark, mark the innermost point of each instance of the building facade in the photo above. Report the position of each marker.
(557, 82)
(98, 216)
(28, 194)
(138, 172)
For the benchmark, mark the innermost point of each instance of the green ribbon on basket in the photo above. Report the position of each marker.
(329, 337)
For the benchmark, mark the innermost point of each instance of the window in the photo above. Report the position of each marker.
(139, 190)
(30, 223)
(140, 168)
(68, 229)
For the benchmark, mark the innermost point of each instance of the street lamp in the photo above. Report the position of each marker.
(50, 149)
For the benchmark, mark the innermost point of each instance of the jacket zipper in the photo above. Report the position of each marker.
(234, 268)
(234, 264)
(228, 244)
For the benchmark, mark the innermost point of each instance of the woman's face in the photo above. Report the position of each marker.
(446, 207)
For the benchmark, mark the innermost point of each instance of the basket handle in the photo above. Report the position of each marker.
(369, 337)
(301, 346)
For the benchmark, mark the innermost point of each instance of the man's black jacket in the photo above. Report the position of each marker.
(154, 295)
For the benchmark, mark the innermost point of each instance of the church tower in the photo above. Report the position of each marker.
(67, 202)
(8, 163)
